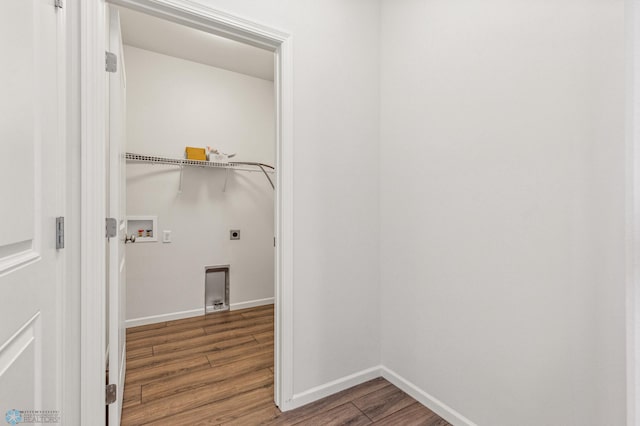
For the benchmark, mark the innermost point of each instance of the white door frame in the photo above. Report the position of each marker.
(93, 194)
(632, 119)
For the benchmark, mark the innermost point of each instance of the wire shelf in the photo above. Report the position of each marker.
(182, 162)
(139, 158)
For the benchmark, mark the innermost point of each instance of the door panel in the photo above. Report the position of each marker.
(32, 190)
(117, 197)
(16, 121)
(19, 364)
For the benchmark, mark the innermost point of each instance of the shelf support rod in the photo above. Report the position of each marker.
(266, 175)
(226, 176)
(180, 185)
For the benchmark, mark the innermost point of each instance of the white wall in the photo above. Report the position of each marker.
(499, 183)
(173, 103)
(502, 207)
(336, 294)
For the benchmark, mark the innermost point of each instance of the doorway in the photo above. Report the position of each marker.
(215, 97)
(219, 23)
(199, 220)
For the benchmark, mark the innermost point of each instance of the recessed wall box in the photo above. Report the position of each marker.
(216, 289)
(144, 228)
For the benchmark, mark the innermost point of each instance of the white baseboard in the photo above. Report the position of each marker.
(135, 322)
(435, 405)
(163, 317)
(252, 303)
(330, 388)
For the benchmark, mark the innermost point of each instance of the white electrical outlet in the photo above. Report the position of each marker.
(166, 236)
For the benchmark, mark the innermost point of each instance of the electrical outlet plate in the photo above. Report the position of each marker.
(166, 236)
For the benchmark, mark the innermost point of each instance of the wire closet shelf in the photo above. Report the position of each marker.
(247, 166)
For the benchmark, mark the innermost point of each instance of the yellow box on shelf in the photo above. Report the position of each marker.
(195, 153)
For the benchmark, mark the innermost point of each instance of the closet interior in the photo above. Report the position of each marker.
(200, 171)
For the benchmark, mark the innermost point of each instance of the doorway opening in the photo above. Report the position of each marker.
(200, 154)
(245, 172)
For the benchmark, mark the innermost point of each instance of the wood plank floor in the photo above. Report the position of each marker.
(218, 370)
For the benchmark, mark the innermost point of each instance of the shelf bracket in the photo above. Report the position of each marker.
(226, 177)
(180, 185)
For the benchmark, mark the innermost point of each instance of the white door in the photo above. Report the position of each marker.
(116, 202)
(32, 191)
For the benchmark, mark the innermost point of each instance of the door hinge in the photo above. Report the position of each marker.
(59, 232)
(111, 226)
(110, 62)
(111, 393)
(58, 4)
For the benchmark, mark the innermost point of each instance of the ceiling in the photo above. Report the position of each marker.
(157, 35)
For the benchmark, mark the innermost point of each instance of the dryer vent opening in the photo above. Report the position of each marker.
(216, 289)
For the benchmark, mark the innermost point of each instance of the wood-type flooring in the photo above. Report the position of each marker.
(218, 370)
